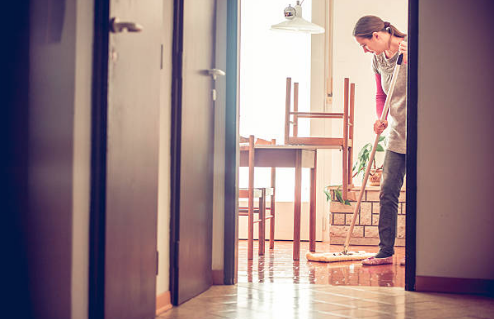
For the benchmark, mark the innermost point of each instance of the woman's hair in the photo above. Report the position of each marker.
(367, 25)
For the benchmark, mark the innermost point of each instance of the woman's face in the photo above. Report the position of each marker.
(373, 45)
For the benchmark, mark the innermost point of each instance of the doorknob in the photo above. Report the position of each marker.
(116, 26)
(215, 72)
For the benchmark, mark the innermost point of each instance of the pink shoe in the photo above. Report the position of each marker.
(373, 261)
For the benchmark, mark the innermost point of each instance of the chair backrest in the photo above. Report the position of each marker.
(343, 141)
(292, 117)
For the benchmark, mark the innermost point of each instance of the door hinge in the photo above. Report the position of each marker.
(157, 262)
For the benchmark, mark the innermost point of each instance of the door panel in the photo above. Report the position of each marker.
(195, 200)
(132, 162)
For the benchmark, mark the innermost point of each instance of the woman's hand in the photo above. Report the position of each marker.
(380, 126)
(403, 48)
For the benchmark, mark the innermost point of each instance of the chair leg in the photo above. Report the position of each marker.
(262, 222)
(273, 208)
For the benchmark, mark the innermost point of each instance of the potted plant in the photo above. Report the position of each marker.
(363, 160)
(337, 193)
(359, 167)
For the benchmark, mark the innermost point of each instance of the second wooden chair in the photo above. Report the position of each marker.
(251, 193)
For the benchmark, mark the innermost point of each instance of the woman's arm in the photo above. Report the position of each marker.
(380, 96)
(403, 49)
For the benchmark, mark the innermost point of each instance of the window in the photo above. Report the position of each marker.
(267, 58)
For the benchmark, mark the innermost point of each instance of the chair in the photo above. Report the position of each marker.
(343, 142)
(261, 193)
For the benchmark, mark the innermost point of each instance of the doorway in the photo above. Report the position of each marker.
(335, 64)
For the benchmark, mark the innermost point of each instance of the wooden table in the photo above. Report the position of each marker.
(298, 157)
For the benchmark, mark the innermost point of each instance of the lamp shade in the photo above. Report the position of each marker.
(295, 23)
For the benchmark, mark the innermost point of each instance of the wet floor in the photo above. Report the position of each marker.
(274, 286)
(277, 266)
(307, 301)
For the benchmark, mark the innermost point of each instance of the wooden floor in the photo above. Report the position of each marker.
(308, 301)
(274, 286)
(277, 266)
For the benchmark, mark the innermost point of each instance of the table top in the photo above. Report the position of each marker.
(290, 147)
(279, 156)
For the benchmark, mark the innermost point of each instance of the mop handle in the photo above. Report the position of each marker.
(373, 152)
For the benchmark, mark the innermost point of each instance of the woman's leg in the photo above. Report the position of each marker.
(393, 174)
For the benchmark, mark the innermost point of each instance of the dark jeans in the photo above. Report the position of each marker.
(392, 180)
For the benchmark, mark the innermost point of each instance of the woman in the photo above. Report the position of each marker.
(386, 43)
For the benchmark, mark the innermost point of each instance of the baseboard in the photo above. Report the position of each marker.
(218, 277)
(163, 302)
(454, 285)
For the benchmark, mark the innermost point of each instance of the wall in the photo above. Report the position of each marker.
(219, 146)
(163, 278)
(350, 61)
(82, 157)
(321, 56)
(454, 156)
(57, 216)
(284, 225)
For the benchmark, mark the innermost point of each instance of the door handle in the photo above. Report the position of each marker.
(117, 26)
(215, 72)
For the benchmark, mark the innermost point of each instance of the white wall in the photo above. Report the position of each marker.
(320, 70)
(219, 142)
(455, 219)
(84, 15)
(350, 61)
(163, 278)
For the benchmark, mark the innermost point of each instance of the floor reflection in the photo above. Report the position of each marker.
(277, 266)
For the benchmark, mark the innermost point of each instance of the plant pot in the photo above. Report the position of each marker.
(375, 177)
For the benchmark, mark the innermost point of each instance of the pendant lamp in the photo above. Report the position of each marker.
(295, 23)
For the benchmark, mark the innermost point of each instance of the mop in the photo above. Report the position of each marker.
(346, 255)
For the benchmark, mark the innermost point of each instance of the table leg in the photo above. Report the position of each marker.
(312, 214)
(250, 239)
(297, 205)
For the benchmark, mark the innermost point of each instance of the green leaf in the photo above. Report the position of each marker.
(361, 152)
(338, 195)
(379, 148)
(382, 138)
(347, 202)
(328, 194)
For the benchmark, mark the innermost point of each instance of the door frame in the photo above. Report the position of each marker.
(99, 125)
(411, 156)
(231, 132)
(176, 136)
(230, 256)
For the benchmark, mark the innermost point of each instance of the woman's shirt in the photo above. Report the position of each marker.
(384, 67)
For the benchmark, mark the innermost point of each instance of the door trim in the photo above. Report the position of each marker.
(176, 137)
(411, 156)
(231, 141)
(98, 161)
(230, 246)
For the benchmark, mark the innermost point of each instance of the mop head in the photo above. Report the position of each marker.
(334, 257)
